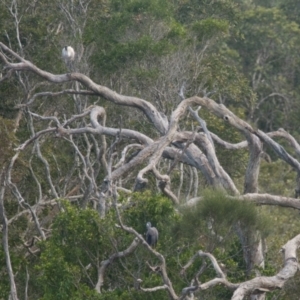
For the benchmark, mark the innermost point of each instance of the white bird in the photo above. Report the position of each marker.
(68, 55)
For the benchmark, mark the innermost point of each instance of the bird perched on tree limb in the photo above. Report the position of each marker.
(151, 235)
(68, 55)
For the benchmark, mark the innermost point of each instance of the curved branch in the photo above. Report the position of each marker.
(260, 199)
(55, 94)
(164, 185)
(105, 263)
(271, 95)
(259, 284)
(267, 199)
(265, 284)
(282, 133)
(154, 289)
(255, 147)
(278, 149)
(34, 137)
(123, 154)
(227, 145)
(202, 140)
(156, 118)
(221, 276)
(159, 120)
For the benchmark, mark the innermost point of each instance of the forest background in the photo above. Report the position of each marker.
(84, 167)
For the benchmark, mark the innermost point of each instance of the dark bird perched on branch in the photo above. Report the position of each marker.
(151, 235)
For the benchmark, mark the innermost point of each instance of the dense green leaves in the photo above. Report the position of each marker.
(217, 216)
(80, 241)
(267, 47)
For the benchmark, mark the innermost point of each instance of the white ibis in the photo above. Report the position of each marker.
(68, 55)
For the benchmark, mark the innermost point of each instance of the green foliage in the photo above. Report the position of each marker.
(211, 226)
(222, 214)
(124, 35)
(268, 44)
(157, 209)
(148, 207)
(226, 212)
(81, 237)
(210, 27)
(7, 139)
(121, 54)
(286, 223)
(291, 8)
(7, 88)
(177, 30)
(277, 178)
(189, 11)
(4, 282)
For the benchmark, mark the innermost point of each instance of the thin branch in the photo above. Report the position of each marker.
(105, 263)
(5, 243)
(19, 197)
(55, 94)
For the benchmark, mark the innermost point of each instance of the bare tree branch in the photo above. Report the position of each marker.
(105, 263)
(5, 243)
(265, 284)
